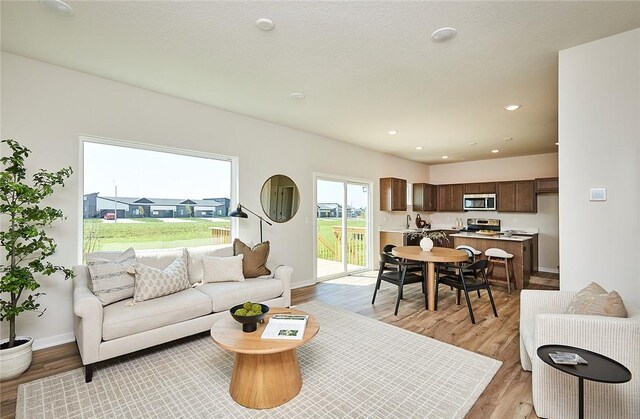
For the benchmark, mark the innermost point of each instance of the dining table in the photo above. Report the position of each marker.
(431, 257)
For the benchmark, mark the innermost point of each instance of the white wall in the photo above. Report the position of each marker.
(599, 117)
(47, 108)
(510, 168)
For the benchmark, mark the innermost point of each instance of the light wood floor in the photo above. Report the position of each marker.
(507, 396)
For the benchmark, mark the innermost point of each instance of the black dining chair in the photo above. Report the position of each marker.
(414, 266)
(400, 277)
(467, 279)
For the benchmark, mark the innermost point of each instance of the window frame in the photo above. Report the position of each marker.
(234, 160)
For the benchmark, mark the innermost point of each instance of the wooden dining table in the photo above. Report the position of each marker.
(436, 254)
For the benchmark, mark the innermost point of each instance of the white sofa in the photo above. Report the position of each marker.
(555, 394)
(120, 328)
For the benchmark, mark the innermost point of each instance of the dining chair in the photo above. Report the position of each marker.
(415, 266)
(400, 277)
(465, 280)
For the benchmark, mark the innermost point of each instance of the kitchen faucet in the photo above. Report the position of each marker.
(408, 220)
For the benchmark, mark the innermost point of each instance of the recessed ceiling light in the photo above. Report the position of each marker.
(58, 7)
(297, 96)
(495, 151)
(264, 24)
(445, 157)
(512, 107)
(472, 144)
(419, 148)
(444, 34)
(393, 132)
(509, 139)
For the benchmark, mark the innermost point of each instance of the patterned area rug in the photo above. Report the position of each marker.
(355, 367)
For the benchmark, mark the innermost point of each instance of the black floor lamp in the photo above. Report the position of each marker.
(241, 214)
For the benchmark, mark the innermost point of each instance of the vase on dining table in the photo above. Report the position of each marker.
(426, 244)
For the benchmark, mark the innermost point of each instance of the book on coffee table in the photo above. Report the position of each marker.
(285, 326)
(567, 358)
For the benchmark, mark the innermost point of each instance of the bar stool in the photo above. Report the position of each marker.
(473, 253)
(499, 256)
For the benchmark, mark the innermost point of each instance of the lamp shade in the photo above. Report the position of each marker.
(238, 212)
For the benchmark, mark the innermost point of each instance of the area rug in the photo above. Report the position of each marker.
(355, 367)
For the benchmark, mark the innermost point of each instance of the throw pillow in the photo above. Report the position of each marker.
(153, 283)
(110, 281)
(217, 269)
(255, 260)
(593, 299)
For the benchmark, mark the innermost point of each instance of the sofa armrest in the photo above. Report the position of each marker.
(534, 302)
(284, 273)
(88, 313)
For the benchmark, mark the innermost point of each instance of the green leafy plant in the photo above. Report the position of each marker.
(25, 242)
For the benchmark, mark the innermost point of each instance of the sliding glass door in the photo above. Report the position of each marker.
(342, 227)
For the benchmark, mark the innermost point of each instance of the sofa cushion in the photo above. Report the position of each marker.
(110, 279)
(153, 283)
(255, 259)
(195, 258)
(160, 258)
(124, 319)
(228, 294)
(222, 269)
(594, 300)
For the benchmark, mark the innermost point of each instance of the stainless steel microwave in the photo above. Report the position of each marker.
(479, 202)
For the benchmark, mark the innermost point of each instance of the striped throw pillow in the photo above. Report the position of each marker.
(110, 281)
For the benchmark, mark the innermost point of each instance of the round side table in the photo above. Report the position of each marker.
(599, 368)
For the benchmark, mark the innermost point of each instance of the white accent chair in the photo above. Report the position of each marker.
(555, 394)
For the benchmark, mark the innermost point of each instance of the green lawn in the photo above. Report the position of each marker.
(150, 233)
(325, 232)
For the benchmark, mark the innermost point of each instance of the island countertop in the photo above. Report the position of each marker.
(513, 238)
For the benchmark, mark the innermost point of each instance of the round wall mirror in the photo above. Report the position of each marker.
(280, 198)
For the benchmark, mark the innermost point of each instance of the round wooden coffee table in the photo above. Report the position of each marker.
(266, 372)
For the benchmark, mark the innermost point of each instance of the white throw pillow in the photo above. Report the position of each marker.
(110, 280)
(217, 269)
(153, 283)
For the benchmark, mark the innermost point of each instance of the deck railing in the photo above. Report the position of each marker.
(220, 235)
(356, 246)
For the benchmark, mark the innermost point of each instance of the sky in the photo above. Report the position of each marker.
(332, 192)
(153, 174)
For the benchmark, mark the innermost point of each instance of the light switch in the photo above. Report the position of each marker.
(598, 194)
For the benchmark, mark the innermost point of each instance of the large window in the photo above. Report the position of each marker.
(150, 199)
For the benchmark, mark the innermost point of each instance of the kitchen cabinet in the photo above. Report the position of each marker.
(547, 185)
(516, 196)
(486, 187)
(393, 194)
(425, 197)
(450, 197)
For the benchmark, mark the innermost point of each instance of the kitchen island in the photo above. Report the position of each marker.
(518, 246)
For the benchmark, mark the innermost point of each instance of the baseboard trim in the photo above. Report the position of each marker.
(53, 341)
(302, 284)
(549, 270)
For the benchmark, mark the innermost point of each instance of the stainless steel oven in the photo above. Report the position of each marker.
(479, 202)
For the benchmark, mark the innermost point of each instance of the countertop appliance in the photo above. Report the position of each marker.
(479, 202)
(477, 224)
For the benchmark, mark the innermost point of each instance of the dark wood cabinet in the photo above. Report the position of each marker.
(485, 187)
(516, 196)
(450, 197)
(547, 185)
(425, 197)
(393, 194)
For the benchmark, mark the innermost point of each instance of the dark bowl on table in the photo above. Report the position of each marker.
(249, 323)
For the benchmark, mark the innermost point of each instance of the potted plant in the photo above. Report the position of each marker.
(25, 247)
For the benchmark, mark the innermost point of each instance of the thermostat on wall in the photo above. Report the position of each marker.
(598, 194)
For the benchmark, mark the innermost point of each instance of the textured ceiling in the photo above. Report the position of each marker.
(365, 67)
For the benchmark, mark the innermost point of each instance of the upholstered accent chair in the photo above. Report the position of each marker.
(542, 322)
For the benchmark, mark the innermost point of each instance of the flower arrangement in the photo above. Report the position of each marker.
(431, 234)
